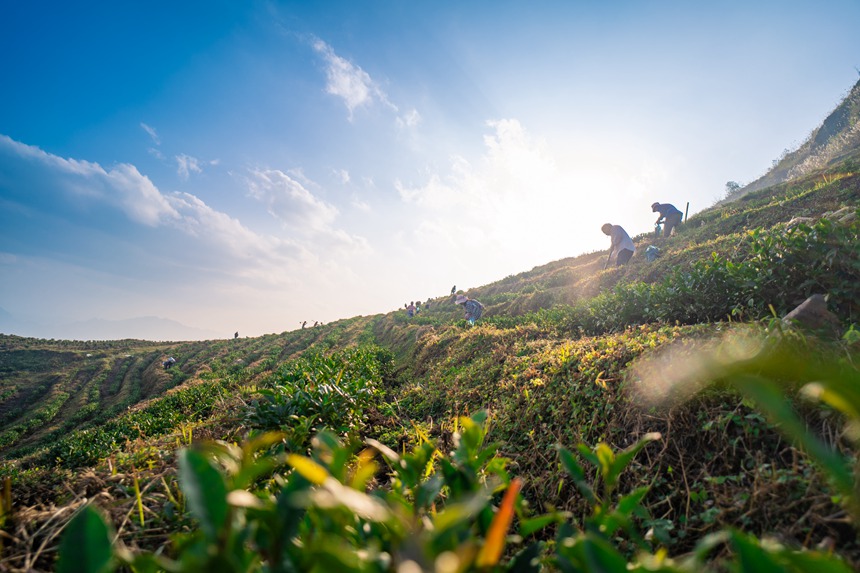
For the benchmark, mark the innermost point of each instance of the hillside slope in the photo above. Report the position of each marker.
(553, 361)
(836, 140)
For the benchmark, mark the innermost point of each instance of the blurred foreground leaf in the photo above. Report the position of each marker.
(86, 545)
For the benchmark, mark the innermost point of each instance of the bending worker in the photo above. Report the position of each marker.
(473, 308)
(670, 216)
(622, 246)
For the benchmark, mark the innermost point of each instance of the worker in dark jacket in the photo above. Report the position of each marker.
(473, 308)
(670, 216)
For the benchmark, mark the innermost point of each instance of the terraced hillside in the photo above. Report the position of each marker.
(560, 358)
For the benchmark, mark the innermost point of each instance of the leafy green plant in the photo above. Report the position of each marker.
(437, 514)
(319, 391)
(319, 516)
(608, 513)
(86, 544)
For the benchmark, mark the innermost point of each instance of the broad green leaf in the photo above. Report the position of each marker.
(768, 395)
(85, 546)
(428, 490)
(456, 513)
(252, 469)
(577, 473)
(338, 463)
(591, 553)
(588, 454)
(205, 491)
(606, 459)
(751, 557)
(329, 552)
(150, 563)
(309, 469)
(334, 494)
(623, 459)
(527, 560)
(814, 562)
(535, 524)
(630, 502)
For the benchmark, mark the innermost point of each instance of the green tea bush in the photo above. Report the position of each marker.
(318, 390)
(87, 447)
(457, 512)
(779, 270)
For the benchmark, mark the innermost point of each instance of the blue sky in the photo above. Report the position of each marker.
(250, 165)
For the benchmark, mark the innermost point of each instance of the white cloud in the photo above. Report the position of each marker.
(514, 171)
(152, 133)
(140, 199)
(520, 202)
(122, 186)
(304, 216)
(360, 205)
(186, 164)
(290, 202)
(410, 119)
(178, 251)
(342, 175)
(461, 186)
(349, 82)
(233, 238)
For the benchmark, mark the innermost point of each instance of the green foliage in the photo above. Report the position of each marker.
(283, 501)
(205, 491)
(779, 363)
(776, 270)
(86, 544)
(608, 514)
(439, 509)
(319, 516)
(87, 447)
(317, 391)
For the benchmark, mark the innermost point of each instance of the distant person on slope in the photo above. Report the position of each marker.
(622, 246)
(410, 310)
(473, 308)
(670, 216)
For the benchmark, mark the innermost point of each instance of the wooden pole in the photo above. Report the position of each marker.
(687, 210)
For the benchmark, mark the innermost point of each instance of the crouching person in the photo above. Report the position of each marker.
(473, 308)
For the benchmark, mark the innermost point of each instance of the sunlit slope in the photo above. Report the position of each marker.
(51, 387)
(551, 361)
(719, 229)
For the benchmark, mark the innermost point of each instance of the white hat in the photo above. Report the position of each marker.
(460, 299)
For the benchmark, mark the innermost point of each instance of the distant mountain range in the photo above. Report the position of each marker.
(142, 328)
(836, 140)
